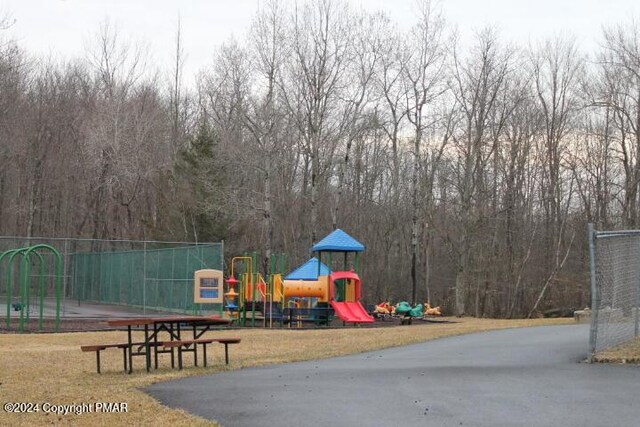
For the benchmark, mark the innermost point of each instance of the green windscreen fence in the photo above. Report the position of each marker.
(160, 279)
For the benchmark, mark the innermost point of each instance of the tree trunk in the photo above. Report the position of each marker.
(414, 214)
(268, 220)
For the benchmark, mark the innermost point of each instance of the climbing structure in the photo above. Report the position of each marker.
(310, 293)
(345, 287)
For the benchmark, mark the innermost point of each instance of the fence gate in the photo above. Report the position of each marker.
(615, 288)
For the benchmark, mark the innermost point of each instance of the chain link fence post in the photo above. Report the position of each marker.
(144, 278)
(636, 309)
(594, 292)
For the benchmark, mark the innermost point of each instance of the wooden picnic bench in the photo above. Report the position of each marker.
(124, 346)
(192, 345)
(152, 328)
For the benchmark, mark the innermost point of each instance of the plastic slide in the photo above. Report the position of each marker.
(351, 312)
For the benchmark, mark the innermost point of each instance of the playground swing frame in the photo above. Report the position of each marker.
(25, 276)
(26, 260)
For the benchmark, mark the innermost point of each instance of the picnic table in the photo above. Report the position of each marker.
(173, 325)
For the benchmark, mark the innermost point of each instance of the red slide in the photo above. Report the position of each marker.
(351, 312)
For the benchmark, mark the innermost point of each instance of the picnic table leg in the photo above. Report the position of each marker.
(195, 354)
(173, 363)
(147, 356)
(204, 353)
(124, 357)
(195, 347)
(179, 350)
(155, 344)
(130, 347)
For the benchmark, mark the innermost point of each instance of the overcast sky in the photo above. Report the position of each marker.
(63, 27)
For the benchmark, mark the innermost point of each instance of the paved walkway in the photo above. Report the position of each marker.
(517, 377)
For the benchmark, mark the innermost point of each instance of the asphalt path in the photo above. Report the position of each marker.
(516, 377)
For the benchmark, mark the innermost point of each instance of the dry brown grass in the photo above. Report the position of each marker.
(626, 353)
(51, 367)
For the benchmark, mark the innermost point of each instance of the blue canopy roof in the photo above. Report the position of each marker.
(309, 271)
(338, 241)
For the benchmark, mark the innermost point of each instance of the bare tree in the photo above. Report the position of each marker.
(127, 116)
(423, 76)
(262, 119)
(619, 95)
(478, 84)
(366, 52)
(320, 47)
(177, 99)
(556, 67)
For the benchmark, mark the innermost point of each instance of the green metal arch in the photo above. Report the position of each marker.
(8, 281)
(26, 259)
(58, 285)
(25, 274)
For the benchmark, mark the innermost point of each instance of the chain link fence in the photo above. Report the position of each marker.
(146, 275)
(615, 288)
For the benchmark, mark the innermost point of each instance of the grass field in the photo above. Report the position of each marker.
(41, 368)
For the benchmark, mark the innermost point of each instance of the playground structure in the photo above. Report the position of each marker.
(27, 289)
(311, 293)
(250, 293)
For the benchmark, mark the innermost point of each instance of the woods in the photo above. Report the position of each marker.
(469, 170)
